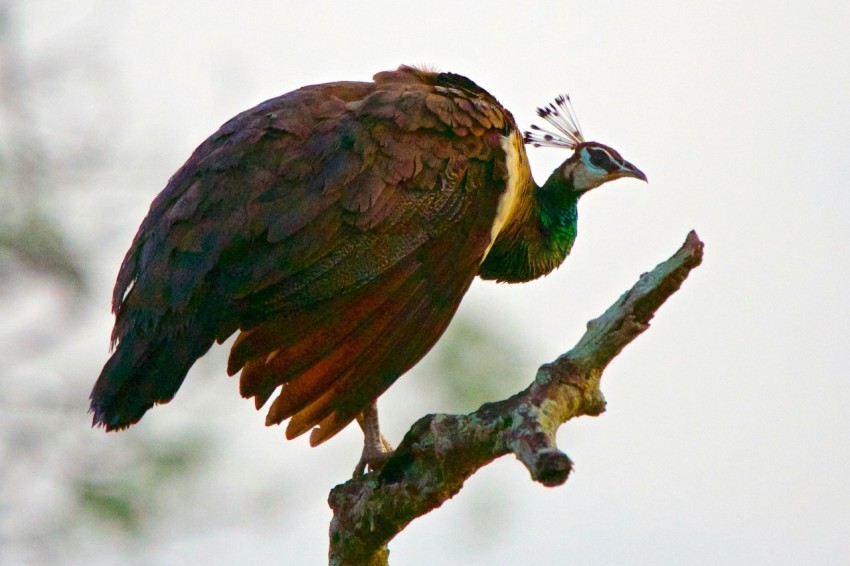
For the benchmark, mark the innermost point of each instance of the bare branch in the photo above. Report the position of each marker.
(441, 451)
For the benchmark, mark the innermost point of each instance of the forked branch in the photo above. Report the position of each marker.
(441, 451)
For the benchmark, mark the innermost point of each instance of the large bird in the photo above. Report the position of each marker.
(337, 228)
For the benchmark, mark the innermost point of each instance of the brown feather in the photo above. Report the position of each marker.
(417, 326)
(368, 348)
(337, 226)
(299, 340)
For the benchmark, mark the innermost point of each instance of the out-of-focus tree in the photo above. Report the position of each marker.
(32, 160)
(54, 126)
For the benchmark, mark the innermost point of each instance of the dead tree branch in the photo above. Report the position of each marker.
(441, 451)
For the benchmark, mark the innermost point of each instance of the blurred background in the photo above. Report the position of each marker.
(727, 436)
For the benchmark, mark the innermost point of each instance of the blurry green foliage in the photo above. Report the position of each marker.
(129, 498)
(37, 243)
(477, 364)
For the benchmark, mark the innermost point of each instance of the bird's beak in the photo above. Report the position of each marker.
(629, 170)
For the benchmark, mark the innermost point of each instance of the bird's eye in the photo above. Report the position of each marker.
(598, 158)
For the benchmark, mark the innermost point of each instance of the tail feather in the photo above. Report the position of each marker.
(141, 373)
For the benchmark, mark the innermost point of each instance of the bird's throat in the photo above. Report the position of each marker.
(537, 236)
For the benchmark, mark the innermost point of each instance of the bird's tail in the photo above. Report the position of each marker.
(140, 374)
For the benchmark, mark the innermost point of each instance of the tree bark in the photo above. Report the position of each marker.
(441, 451)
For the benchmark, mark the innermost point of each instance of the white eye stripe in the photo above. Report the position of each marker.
(589, 153)
(587, 158)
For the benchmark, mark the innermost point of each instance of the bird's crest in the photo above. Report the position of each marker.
(562, 116)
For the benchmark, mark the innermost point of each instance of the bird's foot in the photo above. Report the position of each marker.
(372, 458)
(376, 449)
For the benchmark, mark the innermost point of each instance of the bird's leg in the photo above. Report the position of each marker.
(376, 449)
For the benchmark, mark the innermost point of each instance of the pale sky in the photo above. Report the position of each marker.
(727, 435)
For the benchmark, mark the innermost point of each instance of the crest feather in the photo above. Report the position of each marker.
(561, 115)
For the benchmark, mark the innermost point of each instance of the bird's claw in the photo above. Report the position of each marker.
(373, 460)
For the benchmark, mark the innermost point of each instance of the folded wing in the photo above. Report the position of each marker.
(337, 227)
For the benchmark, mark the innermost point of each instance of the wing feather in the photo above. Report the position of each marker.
(358, 200)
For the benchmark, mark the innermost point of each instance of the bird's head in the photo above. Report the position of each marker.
(591, 163)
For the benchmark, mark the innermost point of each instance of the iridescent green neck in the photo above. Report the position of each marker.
(559, 216)
(541, 241)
